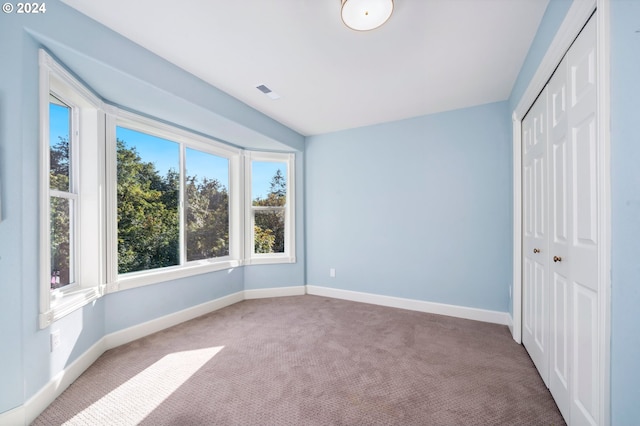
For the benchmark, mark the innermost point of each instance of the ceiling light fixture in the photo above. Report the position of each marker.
(365, 15)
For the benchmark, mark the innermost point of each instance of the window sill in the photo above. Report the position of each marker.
(65, 304)
(139, 279)
(270, 259)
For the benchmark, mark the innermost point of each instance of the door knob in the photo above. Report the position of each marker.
(535, 250)
(557, 259)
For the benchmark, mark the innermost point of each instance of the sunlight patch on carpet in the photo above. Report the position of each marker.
(136, 398)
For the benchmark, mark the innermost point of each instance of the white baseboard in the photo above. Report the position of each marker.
(476, 314)
(141, 330)
(45, 396)
(27, 413)
(264, 293)
(510, 323)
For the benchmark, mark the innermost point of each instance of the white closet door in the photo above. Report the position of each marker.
(535, 324)
(560, 261)
(560, 178)
(582, 257)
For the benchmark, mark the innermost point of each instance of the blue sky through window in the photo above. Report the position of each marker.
(205, 165)
(165, 155)
(58, 123)
(261, 174)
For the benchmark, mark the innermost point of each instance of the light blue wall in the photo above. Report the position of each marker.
(625, 211)
(130, 75)
(551, 21)
(11, 185)
(419, 208)
(127, 308)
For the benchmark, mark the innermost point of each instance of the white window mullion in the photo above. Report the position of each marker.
(236, 207)
(46, 315)
(74, 151)
(290, 213)
(111, 203)
(75, 250)
(268, 208)
(182, 205)
(248, 211)
(63, 194)
(252, 232)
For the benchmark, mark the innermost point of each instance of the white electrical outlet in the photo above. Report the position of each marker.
(55, 339)
(332, 272)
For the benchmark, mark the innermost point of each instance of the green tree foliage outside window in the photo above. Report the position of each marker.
(207, 219)
(60, 215)
(148, 215)
(269, 224)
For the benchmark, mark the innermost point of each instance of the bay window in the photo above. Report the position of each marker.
(127, 200)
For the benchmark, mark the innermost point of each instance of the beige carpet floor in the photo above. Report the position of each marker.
(310, 360)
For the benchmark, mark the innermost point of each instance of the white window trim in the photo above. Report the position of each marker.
(288, 256)
(54, 304)
(186, 139)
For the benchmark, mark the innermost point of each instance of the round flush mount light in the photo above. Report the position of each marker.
(365, 15)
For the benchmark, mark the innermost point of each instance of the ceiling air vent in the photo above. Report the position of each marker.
(270, 93)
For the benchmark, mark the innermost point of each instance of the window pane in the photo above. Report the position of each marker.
(207, 215)
(268, 183)
(61, 242)
(148, 196)
(269, 231)
(59, 125)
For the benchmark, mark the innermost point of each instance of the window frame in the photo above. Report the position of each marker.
(71, 194)
(86, 174)
(120, 118)
(250, 256)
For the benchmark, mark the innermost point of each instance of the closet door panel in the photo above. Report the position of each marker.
(583, 260)
(559, 214)
(584, 385)
(561, 297)
(584, 183)
(559, 155)
(536, 235)
(560, 320)
(528, 300)
(540, 297)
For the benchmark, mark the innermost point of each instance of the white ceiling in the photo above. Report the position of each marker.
(431, 56)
